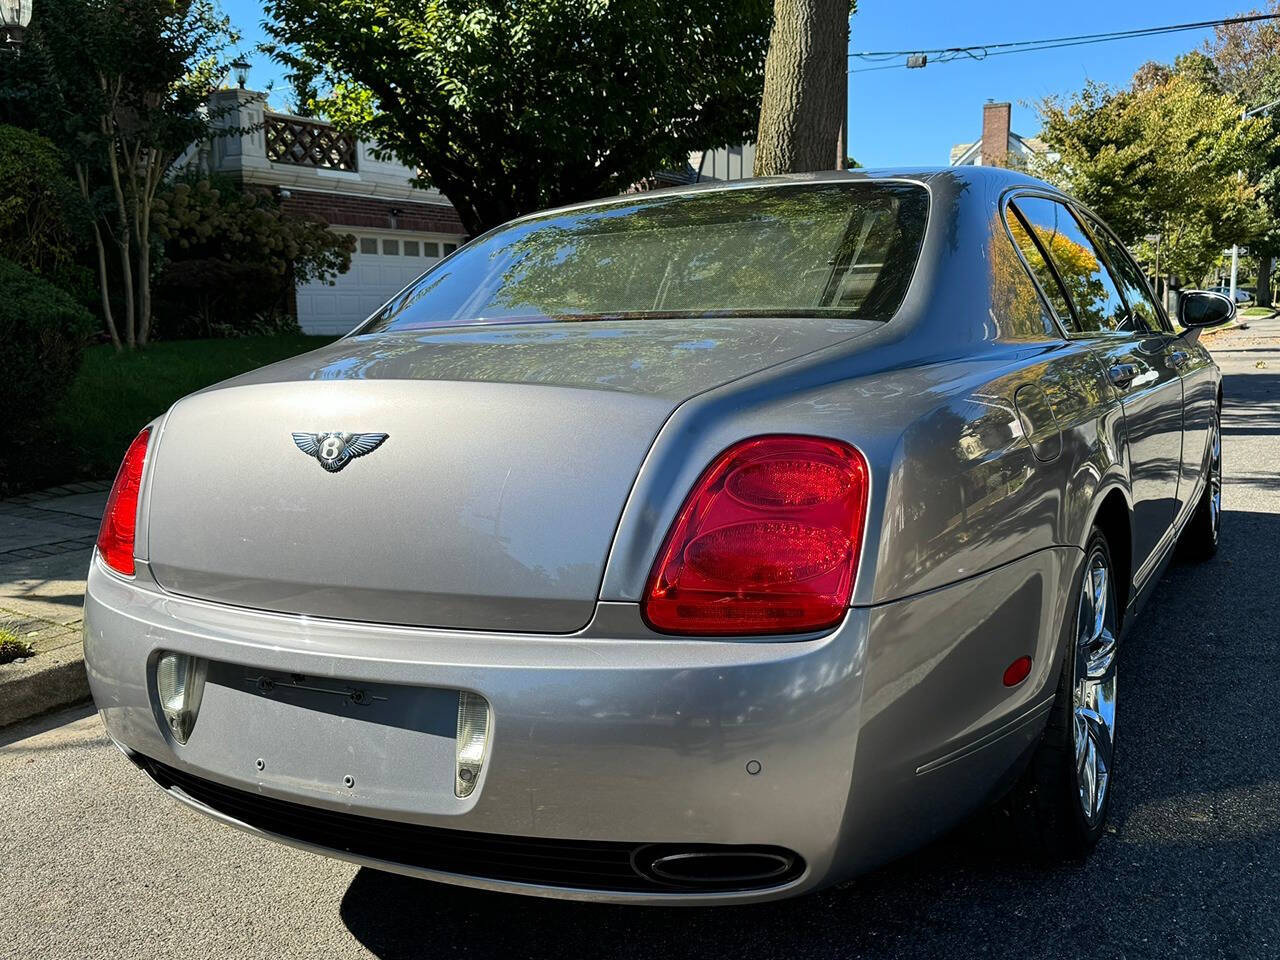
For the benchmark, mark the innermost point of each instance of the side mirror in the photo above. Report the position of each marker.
(1198, 309)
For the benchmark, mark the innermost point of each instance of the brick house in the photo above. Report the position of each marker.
(999, 146)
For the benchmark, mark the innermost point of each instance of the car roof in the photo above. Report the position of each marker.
(966, 174)
(957, 179)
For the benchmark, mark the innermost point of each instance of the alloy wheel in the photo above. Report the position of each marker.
(1094, 699)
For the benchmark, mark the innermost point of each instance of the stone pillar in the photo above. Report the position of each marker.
(242, 111)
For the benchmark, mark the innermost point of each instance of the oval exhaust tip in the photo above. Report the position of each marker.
(721, 868)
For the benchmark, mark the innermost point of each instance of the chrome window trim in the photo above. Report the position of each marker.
(1011, 196)
(1007, 198)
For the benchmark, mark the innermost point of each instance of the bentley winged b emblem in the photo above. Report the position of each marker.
(336, 450)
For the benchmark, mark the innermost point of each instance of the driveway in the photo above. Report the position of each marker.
(98, 863)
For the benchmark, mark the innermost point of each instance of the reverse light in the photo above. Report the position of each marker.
(179, 687)
(767, 541)
(472, 742)
(120, 521)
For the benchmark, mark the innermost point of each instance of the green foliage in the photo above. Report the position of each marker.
(1164, 156)
(1246, 58)
(233, 255)
(125, 86)
(121, 72)
(115, 395)
(11, 648)
(42, 333)
(509, 106)
(208, 297)
(42, 217)
(1246, 64)
(200, 218)
(304, 95)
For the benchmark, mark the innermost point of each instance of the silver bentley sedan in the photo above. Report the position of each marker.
(709, 545)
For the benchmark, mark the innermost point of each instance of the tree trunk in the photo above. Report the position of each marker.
(1264, 280)
(156, 163)
(804, 83)
(122, 239)
(142, 232)
(842, 131)
(106, 126)
(126, 270)
(82, 176)
(103, 289)
(144, 290)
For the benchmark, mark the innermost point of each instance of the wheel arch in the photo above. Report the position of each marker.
(1114, 518)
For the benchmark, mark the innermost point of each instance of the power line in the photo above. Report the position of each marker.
(981, 51)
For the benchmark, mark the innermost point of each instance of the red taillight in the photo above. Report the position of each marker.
(767, 542)
(119, 523)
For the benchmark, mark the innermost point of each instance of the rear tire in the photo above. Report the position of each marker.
(1059, 807)
(1200, 538)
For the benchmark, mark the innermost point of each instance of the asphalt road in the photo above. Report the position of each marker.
(95, 862)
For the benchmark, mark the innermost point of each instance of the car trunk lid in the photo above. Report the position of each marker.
(493, 500)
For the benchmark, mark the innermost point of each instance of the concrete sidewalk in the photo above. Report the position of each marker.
(46, 541)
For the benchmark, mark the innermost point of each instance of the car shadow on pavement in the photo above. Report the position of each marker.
(1190, 865)
(1251, 404)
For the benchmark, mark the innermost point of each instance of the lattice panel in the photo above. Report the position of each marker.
(305, 143)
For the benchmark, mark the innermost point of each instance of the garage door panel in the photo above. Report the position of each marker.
(372, 280)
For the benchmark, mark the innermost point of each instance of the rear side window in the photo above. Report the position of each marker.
(1098, 306)
(1039, 266)
(807, 250)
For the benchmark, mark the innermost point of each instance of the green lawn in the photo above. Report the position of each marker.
(115, 395)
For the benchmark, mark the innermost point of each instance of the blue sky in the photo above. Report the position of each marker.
(904, 117)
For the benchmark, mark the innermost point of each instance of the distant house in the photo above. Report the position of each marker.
(726, 163)
(999, 146)
(400, 229)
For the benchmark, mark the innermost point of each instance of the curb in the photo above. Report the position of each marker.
(1241, 323)
(54, 676)
(47, 681)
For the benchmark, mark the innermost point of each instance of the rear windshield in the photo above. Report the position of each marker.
(838, 250)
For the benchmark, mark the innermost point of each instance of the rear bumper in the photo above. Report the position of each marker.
(869, 739)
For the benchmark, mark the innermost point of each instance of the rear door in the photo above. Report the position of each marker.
(1193, 362)
(1139, 361)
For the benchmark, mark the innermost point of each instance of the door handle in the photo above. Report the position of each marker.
(1179, 358)
(1122, 374)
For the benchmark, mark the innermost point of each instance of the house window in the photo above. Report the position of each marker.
(449, 248)
(368, 245)
(411, 248)
(431, 249)
(391, 247)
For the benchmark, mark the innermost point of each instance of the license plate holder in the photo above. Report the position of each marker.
(381, 747)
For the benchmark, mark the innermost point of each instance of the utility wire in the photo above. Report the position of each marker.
(918, 58)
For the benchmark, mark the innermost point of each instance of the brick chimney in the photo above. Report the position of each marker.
(995, 134)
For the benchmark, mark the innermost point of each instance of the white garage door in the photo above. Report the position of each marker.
(381, 265)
